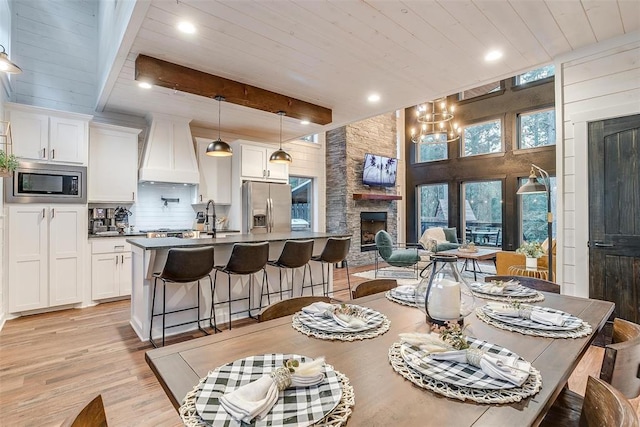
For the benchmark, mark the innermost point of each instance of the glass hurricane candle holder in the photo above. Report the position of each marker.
(444, 295)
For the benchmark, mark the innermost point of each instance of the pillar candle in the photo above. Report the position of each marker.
(444, 300)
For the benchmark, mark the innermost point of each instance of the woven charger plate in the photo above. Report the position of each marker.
(397, 299)
(335, 418)
(516, 394)
(580, 332)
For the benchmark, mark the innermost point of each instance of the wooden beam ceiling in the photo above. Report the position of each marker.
(177, 77)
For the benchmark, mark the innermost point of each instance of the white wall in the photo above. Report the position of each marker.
(150, 213)
(595, 83)
(56, 44)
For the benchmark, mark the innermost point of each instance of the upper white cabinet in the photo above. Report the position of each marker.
(113, 163)
(46, 258)
(215, 176)
(48, 135)
(255, 166)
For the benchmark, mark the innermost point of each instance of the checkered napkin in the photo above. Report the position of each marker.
(404, 292)
(255, 400)
(528, 312)
(503, 367)
(496, 287)
(326, 310)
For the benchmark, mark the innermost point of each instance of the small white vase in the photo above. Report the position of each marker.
(531, 263)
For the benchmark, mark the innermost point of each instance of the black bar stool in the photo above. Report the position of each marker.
(182, 266)
(245, 259)
(335, 251)
(295, 254)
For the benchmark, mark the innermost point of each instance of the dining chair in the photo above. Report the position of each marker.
(288, 306)
(529, 282)
(183, 266)
(92, 415)
(374, 286)
(621, 363)
(602, 405)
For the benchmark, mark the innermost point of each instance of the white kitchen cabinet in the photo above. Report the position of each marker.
(255, 165)
(46, 256)
(215, 176)
(110, 268)
(113, 163)
(48, 135)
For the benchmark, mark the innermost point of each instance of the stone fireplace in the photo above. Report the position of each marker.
(347, 198)
(370, 224)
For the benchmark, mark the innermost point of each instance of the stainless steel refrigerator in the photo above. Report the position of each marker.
(266, 207)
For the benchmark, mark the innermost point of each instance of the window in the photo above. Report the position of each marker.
(310, 138)
(432, 206)
(430, 152)
(537, 74)
(301, 203)
(482, 215)
(537, 129)
(482, 138)
(481, 90)
(533, 213)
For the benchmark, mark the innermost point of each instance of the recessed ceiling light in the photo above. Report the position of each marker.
(145, 85)
(374, 97)
(186, 27)
(493, 55)
(304, 122)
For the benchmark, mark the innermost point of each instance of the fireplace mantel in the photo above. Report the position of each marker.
(374, 196)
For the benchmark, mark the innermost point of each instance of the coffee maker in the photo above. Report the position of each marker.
(121, 217)
(97, 220)
(111, 219)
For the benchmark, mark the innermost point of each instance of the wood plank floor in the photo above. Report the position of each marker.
(53, 364)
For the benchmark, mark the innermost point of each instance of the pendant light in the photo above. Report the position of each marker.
(280, 156)
(219, 148)
(6, 65)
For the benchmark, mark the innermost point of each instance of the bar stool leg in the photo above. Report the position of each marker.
(164, 307)
(153, 305)
(229, 281)
(212, 313)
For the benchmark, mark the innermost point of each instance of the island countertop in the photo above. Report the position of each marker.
(176, 242)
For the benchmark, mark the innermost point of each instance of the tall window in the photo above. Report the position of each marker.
(537, 129)
(533, 214)
(480, 90)
(482, 213)
(429, 152)
(537, 74)
(432, 206)
(310, 138)
(482, 138)
(301, 203)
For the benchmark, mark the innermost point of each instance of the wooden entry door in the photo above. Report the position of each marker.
(614, 214)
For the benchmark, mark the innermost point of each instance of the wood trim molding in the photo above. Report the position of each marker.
(177, 77)
(372, 196)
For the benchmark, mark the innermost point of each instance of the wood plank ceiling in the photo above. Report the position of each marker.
(335, 53)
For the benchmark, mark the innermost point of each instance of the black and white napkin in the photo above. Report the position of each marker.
(528, 312)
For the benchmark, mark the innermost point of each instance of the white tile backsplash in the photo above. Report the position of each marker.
(149, 212)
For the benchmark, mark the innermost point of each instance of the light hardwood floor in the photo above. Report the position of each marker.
(53, 364)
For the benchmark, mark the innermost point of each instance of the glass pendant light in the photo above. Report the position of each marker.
(280, 156)
(6, 65)
(219, 148)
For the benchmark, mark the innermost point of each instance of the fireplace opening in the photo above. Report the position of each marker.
(370, 224)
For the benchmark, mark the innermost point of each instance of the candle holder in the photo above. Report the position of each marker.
(444, 296)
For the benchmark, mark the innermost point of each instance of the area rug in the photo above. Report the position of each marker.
(406, 276)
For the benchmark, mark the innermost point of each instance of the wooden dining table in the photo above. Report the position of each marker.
(382, 396)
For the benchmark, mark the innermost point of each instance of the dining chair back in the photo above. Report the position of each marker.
(529, 282)
(92, 415)
(374, 286)
(621, 363)
(602, 405)
(289, 306)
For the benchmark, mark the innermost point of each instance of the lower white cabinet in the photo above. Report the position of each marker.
(46, 246)
(110, 268)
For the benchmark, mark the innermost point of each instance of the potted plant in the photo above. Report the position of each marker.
(8, 163)
(532, 251)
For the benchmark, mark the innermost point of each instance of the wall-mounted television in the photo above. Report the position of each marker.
(379, 171)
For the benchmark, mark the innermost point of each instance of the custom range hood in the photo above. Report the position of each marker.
(168, 154)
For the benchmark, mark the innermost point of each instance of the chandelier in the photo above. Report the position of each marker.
(436, 123)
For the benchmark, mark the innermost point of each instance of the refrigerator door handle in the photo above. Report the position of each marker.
(270, 219)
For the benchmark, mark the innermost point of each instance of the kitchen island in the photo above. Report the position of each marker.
(149, 256)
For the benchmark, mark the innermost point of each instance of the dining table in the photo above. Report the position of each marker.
(382, 396)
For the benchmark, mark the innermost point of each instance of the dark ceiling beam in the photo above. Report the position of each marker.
(177, 77)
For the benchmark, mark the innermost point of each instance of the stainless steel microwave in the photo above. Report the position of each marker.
(46, 183)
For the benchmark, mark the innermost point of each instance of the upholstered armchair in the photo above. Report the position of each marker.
(445, 238)
(506, 259)
(395, 255)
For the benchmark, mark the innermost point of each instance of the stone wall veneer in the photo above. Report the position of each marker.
(345, 150)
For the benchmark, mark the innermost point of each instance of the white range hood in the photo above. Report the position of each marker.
(169, 155)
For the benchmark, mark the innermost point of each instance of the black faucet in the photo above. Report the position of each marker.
(206, 217)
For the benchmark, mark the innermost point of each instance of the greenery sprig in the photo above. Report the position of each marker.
(291, 365)
(453, 335)
(531, 249)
